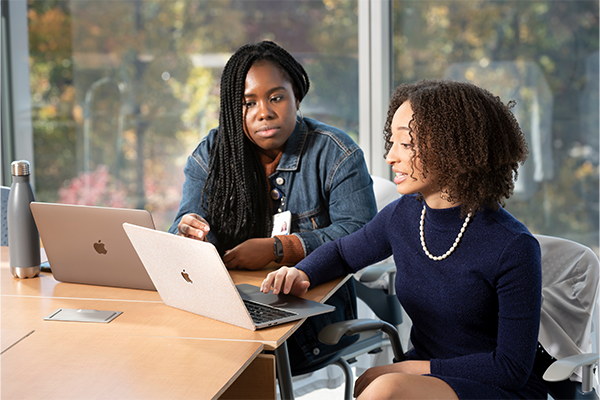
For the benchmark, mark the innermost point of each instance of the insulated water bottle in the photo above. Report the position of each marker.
(23, 236)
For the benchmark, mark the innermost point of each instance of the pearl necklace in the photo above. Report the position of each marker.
(438, 258)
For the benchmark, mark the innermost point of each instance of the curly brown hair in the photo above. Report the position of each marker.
(466, 137)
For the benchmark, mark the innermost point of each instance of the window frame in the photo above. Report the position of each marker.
(17, 127)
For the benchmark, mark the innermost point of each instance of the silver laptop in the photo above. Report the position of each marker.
(190, 275)
(87, 244)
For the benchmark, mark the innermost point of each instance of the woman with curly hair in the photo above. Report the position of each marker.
(468, 273)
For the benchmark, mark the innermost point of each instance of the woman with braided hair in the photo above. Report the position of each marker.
(468, 273)
(265, 162)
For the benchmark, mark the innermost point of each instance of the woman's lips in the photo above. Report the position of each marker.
(400, 177)
(267, 132)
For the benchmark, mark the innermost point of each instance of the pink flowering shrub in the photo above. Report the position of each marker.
(96, 188)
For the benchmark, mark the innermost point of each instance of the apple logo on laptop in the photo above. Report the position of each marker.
(99, 247)
(186, 276)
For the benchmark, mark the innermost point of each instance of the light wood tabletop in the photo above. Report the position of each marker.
(140, 318)
(112, 366)
(149, 345)
(25, 302)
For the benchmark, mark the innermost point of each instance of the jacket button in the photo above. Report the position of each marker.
(316, 351)
(275, 194)
(280, 181)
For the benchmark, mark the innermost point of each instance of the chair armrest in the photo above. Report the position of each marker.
(562, 369)
(376, 272)
(331, 334)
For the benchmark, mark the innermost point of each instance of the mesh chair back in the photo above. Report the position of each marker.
(570, 276)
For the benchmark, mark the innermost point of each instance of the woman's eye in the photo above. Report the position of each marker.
(406, 145)
(276, 98)
(249, 104)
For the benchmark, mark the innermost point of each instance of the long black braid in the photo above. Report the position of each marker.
(236, 189)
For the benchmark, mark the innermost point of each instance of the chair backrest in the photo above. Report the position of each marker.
(385, 191)
(380, 295)
(5, 193)
(570, 275)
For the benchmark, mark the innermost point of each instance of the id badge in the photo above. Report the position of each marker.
(282, 223)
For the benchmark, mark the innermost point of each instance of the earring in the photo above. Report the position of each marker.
(301, 116)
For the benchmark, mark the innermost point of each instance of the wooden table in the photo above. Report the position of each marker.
(227, 357)
(53, 364)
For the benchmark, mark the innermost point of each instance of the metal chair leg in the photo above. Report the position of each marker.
(348, 376)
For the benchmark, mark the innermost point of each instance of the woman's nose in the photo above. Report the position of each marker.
(390, 158)
(265, 111)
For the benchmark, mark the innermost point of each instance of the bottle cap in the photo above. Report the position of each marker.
(20, 168)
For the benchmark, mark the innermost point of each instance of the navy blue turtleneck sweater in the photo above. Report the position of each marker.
(475, 314)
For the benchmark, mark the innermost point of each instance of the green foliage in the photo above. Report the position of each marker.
(132, 86)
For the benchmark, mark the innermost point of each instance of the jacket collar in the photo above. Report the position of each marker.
(290, 159)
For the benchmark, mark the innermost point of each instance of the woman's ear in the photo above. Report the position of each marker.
(297, 104)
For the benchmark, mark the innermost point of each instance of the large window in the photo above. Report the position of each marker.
(122, 91)
(542, 54)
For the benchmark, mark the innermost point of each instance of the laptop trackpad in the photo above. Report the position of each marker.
(288, 302)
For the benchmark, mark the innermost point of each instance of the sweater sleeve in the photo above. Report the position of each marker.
(518, 287)
(293, 252)
(351, 253)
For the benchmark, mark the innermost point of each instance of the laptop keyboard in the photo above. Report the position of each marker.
(261, 313)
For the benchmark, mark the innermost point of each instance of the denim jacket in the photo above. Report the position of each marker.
(325, 183)
(322, 176)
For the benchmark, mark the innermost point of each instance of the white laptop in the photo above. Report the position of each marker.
(87, 244)
(190, 275)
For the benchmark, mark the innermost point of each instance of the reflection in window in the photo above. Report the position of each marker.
(122, 91)
(544, 55)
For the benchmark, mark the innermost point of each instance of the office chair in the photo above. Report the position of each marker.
(570, 294)
(381, 299)
(5, 192)
(570, 275)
